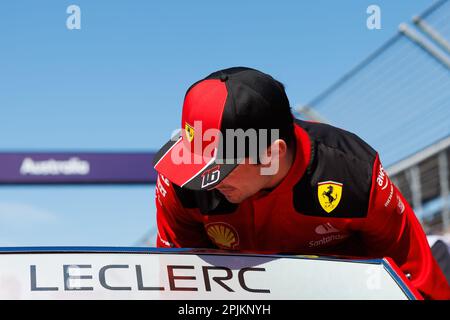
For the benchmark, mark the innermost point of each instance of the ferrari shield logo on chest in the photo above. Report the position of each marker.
(189, 132)
(329, 193)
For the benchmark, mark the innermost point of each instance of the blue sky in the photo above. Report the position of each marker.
(118, 83)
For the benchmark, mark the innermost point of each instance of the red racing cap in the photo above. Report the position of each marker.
(217, 110)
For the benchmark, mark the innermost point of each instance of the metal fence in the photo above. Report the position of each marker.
(398, 100)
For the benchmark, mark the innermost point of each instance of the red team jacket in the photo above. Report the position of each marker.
(335, 200)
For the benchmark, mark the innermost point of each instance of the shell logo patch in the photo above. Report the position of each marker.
(223, 235)
(189, 131)
(330, 194)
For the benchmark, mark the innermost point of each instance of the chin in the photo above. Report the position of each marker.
(236, 200)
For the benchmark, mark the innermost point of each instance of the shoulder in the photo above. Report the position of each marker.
(338, 140)
(338, 179)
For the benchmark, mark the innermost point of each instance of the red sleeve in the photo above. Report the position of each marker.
(177, 227)
(392, 230)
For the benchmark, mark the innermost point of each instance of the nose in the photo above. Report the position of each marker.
(220, 185)
(223, 187)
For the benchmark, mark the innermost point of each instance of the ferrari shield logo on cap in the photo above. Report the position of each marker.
(189, 132)
(329, 193)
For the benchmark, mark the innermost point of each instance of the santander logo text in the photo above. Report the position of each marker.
(326, 228)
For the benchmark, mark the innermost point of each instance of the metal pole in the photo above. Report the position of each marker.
(414, 179)
(425, 45)
(311, 114)
(443, 178)
(433, 34)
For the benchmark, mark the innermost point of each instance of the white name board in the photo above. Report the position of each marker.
(188, 276)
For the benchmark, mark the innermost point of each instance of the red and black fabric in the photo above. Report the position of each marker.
(377, 223)
(235, 98)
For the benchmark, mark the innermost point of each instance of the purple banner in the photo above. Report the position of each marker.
(74, 168)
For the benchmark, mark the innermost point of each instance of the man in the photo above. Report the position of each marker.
(244, 175)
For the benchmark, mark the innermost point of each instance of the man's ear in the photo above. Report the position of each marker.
(282, 147)
(272, 157)
(277, 149)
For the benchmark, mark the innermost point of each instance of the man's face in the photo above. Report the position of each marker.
(243, 182)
